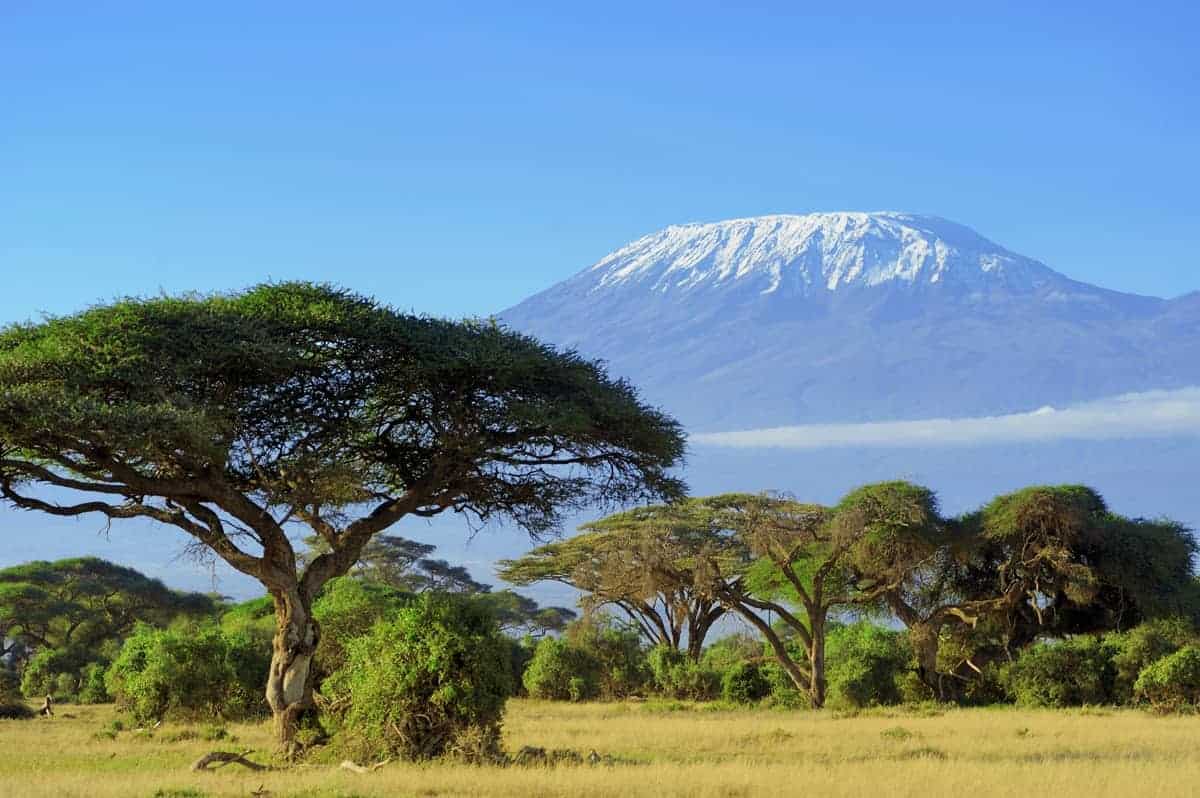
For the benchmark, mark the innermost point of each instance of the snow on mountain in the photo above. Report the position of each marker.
(837, 317)
(814, 252)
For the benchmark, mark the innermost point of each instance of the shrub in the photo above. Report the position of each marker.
(744, 683)
(1069, 673)
(783, 691)
(561, 671)
(91, 687)
(520, 654)
(1172, 683)
(678, 676)
(12, 707)
(617, 650)
(866, 665)
(432, 680)
(53, 672)
(731, 650)
(189, 672)
(1142, 646)
(347, 608)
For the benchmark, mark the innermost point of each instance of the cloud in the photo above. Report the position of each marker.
(1151, 414)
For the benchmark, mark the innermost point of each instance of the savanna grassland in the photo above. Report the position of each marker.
(657, 749)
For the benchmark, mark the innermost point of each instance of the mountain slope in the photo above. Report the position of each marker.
(853, 316)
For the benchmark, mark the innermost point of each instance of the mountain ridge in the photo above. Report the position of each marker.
(853, 316)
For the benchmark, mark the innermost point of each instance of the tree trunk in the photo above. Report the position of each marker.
(924, 640)
(816, 663)
(290, 681)
(801, 680)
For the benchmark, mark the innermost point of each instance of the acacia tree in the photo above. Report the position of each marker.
(752, 555)
(83, 602)
(231, 417)
(1083, 569)
(1042, 561)
(601, 563)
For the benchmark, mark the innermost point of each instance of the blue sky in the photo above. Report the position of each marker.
(455, 158)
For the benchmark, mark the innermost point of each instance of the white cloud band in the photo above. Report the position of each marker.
(1136, 415)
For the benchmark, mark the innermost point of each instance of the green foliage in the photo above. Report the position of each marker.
(12, 706)
(867, 665)
(282, 362)
(430, 681)
(678, 676)
(731, 650)
(346, 609)
(617, 650)
(1172, 683)
(63, 674)
(1068, 673)
(562, 671)
(72, 614)
(1143, 645)
(254, 619)
(92, 689)
(188, 673)
(744, 683)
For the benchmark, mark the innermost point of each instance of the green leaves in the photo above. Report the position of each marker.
(311, 402)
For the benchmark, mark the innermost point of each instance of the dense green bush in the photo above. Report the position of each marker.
(561, 671)
(92, 689)
(430, 681)
(728, 651)
(1142, 646)
(520, 654)
(254, 619)
(12, 705)
(783, 690)
(678, 676)
(1172, 683)
(866, 665)
(346, 609)
(69, 675)
(41, 676)
(617, 649)
(744, 683)
(189, 672)
(1066, 673)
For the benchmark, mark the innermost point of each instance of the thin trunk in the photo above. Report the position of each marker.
(291, 678)
(798, 677)
(816, 662)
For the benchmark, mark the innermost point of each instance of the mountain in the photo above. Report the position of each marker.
(837, 317)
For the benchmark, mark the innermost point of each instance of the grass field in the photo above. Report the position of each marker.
(660, 750)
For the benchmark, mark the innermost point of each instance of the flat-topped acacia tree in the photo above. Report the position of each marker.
(235, 417)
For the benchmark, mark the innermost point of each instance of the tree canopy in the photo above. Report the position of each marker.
(83, 602)
(232, 416)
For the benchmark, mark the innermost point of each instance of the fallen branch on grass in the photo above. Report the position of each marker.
(218, 759)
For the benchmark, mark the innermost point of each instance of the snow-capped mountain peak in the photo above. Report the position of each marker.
(812, 253)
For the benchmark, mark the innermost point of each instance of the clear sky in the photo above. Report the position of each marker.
(455, 158)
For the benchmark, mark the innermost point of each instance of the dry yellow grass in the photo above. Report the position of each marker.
(959, 753)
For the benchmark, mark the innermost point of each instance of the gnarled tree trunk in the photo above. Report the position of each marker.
(291, 678)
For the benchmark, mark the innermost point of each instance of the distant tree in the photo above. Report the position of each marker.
(406, 565)
(231, 417)
(520, 615)
(1044, 561)
(601, 563)
(749, 554)
(386, 559)
(60, 621)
